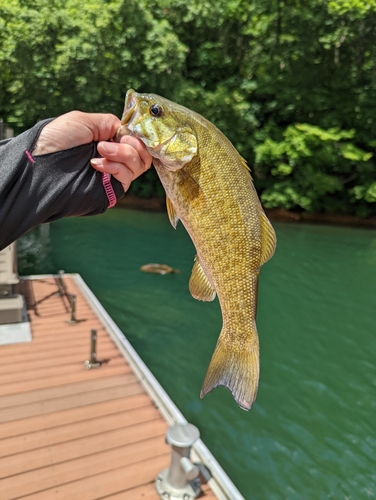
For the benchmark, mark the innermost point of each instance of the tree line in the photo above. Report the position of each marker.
(291, 83)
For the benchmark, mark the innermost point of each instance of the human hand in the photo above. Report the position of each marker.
(125, 160)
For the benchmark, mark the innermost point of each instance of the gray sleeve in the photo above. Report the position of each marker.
(39, 189)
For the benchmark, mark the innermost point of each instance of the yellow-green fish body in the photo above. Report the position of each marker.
(210, 189)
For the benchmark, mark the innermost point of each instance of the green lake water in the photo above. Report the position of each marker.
(312, 431)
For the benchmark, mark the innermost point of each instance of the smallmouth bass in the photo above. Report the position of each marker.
(210, 189)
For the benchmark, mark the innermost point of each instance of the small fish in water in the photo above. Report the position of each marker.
(159, 269)
(209, 188)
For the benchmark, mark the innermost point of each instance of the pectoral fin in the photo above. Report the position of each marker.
(199, 285)
(268, 239)
(174, 219)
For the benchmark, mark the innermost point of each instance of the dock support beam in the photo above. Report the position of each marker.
(180, 481)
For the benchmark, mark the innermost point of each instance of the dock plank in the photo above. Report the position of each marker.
(46, 360)
(54, 370)
(106, 483)
(64, 389)
(68, 416)
(67, 432)
(87, 447)
(43, 383)
(80, 399)
(148, 492)
(87, 466)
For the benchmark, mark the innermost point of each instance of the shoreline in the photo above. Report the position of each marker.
(274, 214)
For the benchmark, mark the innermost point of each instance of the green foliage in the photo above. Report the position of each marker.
(315, 170)
(357, 7)
(253, 68)
(57, 56)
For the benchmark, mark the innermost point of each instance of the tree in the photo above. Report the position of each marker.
(316, 170)
(57, 56)
(256, 70)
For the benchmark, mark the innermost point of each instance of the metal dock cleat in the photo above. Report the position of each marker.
(180, 481)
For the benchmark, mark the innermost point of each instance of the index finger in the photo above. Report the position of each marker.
(140, 147)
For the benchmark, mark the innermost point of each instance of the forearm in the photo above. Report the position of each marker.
(38, 189)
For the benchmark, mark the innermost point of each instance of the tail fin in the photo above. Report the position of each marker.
(238, 370)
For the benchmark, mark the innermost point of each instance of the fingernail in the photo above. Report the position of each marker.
(109, 147)
(97, 161)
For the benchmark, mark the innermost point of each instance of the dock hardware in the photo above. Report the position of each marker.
(93, 362)
(180, 481)
(63, 292)
(60, 283)
(72, 302)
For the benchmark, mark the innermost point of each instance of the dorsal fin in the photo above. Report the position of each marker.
(199, 285)
(268, 239)
(244, 163)
(174, 219)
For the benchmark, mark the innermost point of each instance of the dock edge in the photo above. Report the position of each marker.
(220, 483)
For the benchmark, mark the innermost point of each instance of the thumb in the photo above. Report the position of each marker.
(103, 125)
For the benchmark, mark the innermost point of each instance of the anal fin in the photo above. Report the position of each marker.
(199, 285)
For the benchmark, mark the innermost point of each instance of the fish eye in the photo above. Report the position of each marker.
(156, 110)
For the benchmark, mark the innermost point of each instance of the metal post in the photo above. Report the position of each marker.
(72, 300)
(93, 362)
(180, 481)
(60, 283)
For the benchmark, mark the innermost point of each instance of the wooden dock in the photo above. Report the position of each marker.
(67, 432)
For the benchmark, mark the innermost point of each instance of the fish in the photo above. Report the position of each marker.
(209, 188)
(159, 269)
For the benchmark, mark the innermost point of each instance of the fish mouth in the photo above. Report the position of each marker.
(130, 106)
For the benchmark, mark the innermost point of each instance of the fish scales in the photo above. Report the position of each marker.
(210, 190)
(223, 253)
